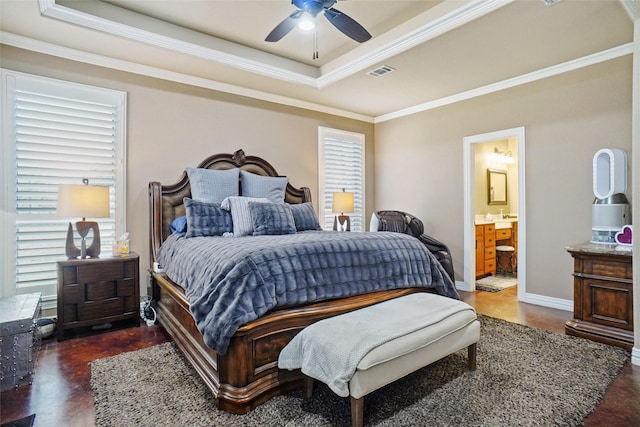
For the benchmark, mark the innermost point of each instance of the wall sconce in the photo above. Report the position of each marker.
(342, 203)
(502, 156)
(83, 201)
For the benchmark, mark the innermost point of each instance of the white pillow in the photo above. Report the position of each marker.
(239, 208)
(374, 223)
(270, 187)
(212, 186)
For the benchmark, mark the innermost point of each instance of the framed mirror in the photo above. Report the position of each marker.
(496, 187)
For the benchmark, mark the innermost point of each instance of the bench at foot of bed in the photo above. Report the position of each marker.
(374, 346)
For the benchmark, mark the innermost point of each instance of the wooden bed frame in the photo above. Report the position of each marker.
(247, 375)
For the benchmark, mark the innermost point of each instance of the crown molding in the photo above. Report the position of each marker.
(585, 61)
(425, 26)
(632, 7)
(26, 43)
(191, 42)
(405, 40)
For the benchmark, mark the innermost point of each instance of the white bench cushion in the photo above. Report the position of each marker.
(332, 349)
(418, 339)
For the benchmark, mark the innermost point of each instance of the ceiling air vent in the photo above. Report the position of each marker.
(381, 71)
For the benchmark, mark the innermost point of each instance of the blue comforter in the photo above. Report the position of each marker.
(230, 281)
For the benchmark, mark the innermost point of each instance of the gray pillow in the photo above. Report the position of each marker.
(268, 187)
(305, 217)
(206, 219)
(271, 219)
(212, 186)
(238, 206)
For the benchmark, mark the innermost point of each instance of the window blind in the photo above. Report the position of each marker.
(62, 134)
(341, 157)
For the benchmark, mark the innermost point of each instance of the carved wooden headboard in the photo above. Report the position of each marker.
(165, 201)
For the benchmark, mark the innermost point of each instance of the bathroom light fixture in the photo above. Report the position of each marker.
(342, 202)
(83, 201)
(502, 156)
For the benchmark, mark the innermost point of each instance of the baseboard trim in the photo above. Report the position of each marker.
(462, 286)
(635, 355)
(551, 302)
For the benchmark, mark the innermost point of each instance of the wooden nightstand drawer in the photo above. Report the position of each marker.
(91, 310)
(97, 291)
(100, 290)
(100, 272)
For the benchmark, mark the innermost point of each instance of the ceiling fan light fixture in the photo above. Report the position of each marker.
(306, 24)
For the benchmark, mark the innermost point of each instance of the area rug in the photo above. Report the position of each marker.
(525, 377)
(495, 283)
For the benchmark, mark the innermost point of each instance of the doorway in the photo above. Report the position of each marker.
(471, 146)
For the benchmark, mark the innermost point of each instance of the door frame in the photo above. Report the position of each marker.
(469, 206)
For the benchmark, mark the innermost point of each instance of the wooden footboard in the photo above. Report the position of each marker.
(248, 374)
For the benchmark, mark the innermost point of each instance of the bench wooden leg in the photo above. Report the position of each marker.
(471, 351)
(357, 412)
(308, 387)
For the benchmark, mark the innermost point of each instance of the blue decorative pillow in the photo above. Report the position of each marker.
(179, 225)
(305, 217)
(212, 186)
(206, 219)
(238, 206)
(271, 219)
(268, 187)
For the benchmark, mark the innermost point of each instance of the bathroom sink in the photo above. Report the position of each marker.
(505, 223)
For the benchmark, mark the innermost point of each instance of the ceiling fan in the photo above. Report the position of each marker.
(342, 22)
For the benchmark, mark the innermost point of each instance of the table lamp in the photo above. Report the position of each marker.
(83, 201)
(342, 203)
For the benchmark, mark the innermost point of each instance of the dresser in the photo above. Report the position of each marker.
(485, 249)
(97, 291)
(602, 294)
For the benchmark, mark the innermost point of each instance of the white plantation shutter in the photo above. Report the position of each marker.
(341, 165)
(57, 133)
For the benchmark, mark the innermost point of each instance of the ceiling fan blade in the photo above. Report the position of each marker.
(347, 25)
(283, 28)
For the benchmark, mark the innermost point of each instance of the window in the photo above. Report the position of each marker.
(341, 165)
(54, 133)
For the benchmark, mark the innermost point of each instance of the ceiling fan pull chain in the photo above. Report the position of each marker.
(315, 43)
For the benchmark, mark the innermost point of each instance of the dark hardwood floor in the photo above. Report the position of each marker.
(61, 392)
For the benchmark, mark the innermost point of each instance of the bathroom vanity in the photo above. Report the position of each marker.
(602, 294)
(485, 249)
(489, 234)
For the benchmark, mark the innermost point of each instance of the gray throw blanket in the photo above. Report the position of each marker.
(331, 349)
(230, 281)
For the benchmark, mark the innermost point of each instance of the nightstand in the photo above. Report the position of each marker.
(96, 291)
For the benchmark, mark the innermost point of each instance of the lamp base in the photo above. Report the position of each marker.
(83, 228)
(342, 223)
(70, 247)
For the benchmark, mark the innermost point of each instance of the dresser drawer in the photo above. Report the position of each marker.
(489, 240)
(503, 233)
(490, 253)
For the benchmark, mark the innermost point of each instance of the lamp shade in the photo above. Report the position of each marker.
(342, 202)
(86, 201)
